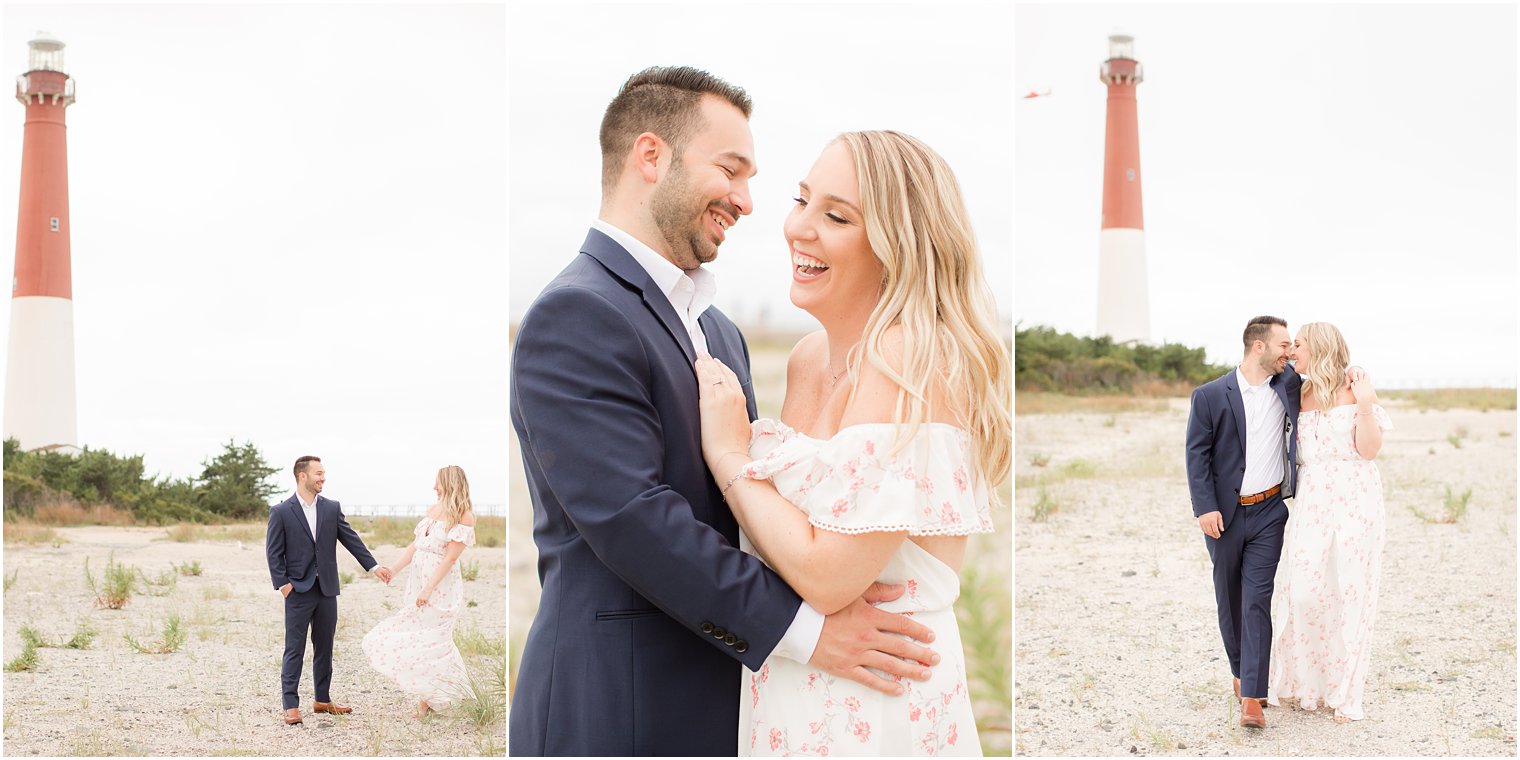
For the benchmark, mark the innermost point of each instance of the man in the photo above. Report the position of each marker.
(647, 604)
(1242, 455)
(303, 564)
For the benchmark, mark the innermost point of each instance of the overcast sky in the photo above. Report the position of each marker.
(288, 228)
(1352, 164)
(940, 72)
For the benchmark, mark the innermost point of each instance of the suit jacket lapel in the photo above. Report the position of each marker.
(300, 515)
(321, 507)
(1237, 407)
(622, 264)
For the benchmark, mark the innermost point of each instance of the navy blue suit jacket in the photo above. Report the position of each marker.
(303, 560)
(648, 605)
(1216, 442)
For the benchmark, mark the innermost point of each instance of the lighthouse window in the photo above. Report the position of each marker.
(53, 224)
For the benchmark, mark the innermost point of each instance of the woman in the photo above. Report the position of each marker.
(895, 428)
(415, 647)
(1333, 542)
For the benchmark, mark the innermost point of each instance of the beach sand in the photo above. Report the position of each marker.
(219, 693)
(1117, 647)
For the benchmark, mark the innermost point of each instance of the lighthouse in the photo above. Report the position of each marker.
(1123, 294)
(39, 371)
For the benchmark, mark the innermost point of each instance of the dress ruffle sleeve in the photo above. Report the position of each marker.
(1381, 415)
(855, 483)
(464, 534)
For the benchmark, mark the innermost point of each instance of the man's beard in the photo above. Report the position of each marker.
(673, 209)
(1270, 365)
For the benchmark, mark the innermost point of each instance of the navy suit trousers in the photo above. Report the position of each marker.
(308, 611)
(1245, 560)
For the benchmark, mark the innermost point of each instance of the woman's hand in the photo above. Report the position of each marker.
(423, 597)
(1362, 392)
(725, 413)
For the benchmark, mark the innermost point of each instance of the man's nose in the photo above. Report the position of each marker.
(741, 200)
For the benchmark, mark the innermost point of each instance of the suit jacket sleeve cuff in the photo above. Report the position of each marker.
(801, 638)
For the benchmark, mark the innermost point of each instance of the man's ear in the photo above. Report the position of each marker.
(648, 152)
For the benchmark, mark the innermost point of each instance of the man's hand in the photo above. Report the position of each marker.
(1211, 523)
(383, 573)
(860, 637)
(285, 589)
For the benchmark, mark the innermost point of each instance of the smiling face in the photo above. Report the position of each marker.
(833, 266)
(1278, 350)
(313, 477)
(1300, 353)
(706, 188)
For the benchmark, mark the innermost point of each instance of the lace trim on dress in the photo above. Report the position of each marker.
(852, 484)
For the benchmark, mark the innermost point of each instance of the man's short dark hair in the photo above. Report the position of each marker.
(664, 100)
(1260, 328)
(302, 463)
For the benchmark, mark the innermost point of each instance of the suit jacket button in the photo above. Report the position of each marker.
(1237, 490)
(1242, 471)
(706, 627)
(741, 646)
(730, 639)
(718, 632)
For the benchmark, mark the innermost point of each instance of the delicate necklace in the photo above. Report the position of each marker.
(834, 377)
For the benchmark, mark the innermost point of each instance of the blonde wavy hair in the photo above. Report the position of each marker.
(1328, 359)
(934, 291)
(454, 495)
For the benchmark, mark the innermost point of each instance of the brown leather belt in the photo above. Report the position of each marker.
(1257, 498)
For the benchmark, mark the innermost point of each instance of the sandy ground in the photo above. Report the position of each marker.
(220, 693)
(1117, 646)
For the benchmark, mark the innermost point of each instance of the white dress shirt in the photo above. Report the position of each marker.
(310, 511)
(690, 293)
(1265, 417)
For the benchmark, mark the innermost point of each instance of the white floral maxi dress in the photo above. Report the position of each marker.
(1327, 590)
(415, 647)
(851, 483)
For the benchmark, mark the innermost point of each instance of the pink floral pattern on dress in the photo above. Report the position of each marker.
(415, 647)
(1326, 596)
(852, 483)
(926, 488)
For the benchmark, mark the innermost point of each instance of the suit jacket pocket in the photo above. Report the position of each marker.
(611, 615)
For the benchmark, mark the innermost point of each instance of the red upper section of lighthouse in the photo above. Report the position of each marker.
(1121, 145)
(42, 220)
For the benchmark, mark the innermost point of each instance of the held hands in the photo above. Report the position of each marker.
(384, 574)
(1211, 523)
(725, 412)
(860, 636)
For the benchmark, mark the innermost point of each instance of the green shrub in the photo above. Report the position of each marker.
(119, 582)
(172, 637)
(27, 660)
(1048, 360)
(469, 569)
(84, 635)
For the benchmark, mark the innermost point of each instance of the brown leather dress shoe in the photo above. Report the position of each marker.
(1250, 714)
(293, 716)
(331, 708)
(1237, 693)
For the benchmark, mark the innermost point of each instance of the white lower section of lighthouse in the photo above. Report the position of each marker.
(1124, 306)
(39, 373)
